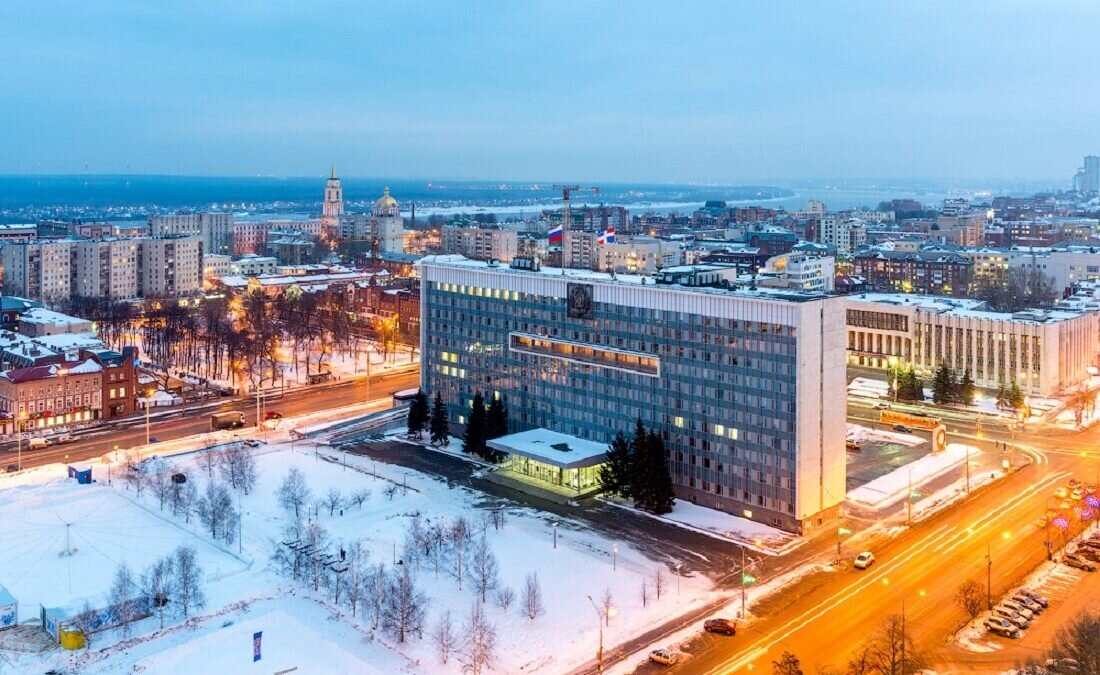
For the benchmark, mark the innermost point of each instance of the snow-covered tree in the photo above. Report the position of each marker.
(479, 642)
(375, 595)
(124, 597)
(238, 467)
(404, 607)
(217, 513)
(504, 597)
(659, 581)
(444, 637)
(156, 584)
(293, 493)
(188, 581)
(359, 497)
(334, 499)
(532, 596)
(484, 567)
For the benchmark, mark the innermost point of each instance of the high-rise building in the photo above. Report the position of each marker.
(1091, 175)
(387, 224)
(170, 267)
(39, 270)
(105, 268)
(481, 243)
(215, 229)
(333, 207)
(739, 383)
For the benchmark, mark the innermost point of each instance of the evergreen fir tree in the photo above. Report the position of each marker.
(438, 426)
(640, 483)
(1015, 396)
(662, 495)
(1002, 396)
(942, 384)
(966, 389)
(497, 421)
(418, 414)
(615, 472)
(474, 440)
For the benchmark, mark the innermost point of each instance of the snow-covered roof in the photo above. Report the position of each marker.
(561, 450)
(965, 307)
(41, 315)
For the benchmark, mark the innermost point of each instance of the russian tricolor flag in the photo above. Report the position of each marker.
(555, 235)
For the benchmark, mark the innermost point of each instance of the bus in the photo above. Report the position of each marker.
(404, 398)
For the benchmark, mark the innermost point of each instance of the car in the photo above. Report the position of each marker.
(12, 468)
(1073, 483)
(1090, 488)
(723, 626)
(63, 438)
(153, 439)
(1027, 602)
(851, 446)
(1039, 600)
(1090, 543)
(1077, 494)
(38, 443)
(273, 415)
(1011, 615)
(664, 657)
(1043, 520)
(252, 442)
(1066, 505)
(1002, 627)
(1061, 493)
(1090, 554)
(1020, 607)
(882, 405)
(902, 429)
(864, 560)
(1078, 562)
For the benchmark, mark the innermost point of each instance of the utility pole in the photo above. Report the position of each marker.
(742, 582)
(988, 576)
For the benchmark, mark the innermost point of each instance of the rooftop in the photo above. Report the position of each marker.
(627, 279)
(965, 307)
(561, 450)
(41, 315)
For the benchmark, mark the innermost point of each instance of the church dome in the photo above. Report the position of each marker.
(385, 201)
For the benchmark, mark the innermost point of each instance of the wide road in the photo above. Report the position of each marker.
(193, 419)
(829, 616)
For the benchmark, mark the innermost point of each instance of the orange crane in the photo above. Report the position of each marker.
(566, 219)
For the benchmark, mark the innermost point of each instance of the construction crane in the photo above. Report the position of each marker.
(566, 219)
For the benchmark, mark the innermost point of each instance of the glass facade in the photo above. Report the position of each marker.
(721, 391)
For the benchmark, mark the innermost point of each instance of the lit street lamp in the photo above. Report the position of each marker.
(148, 401)
(599, 621)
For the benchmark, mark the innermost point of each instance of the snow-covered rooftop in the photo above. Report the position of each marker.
(41, 315)
(562, 450)
(965, 307)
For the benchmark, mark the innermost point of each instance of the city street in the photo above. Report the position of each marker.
(193, 419)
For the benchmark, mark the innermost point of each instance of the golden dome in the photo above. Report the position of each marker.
(385, 201)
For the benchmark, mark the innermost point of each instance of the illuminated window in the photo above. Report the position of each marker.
(679, 422)
(732, 433)
(719, 430)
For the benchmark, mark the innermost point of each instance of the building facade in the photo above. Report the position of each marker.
(737, 383)
(389, 228)
(170, 267)
(106, 268)
(481, 243)
(215, 230)
(38, 270)
(332, 209)
(1044, 352)
(925, 272)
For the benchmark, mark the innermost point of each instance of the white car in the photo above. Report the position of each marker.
(864, 560)
(1061, 493)
(1020, 607)
(665, 657)
(1011, 615)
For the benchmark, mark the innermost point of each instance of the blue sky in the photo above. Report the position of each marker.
(627, 91)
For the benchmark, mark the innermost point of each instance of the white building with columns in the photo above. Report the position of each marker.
(1044, 351)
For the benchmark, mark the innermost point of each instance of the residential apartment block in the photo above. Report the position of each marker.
(931, 272)
(481, 243)
(738, 383)
(215, 230)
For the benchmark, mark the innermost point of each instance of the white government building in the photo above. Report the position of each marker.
(1044, 351)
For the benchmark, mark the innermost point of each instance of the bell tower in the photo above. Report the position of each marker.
(332, 208)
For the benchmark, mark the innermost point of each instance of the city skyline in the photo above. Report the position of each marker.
(627, 93)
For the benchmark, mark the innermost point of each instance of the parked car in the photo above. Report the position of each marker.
(1079, 562)
(1090, 554)
(882, 405)
(1077, 494)
(1061, 493)
(1073, 482)
(1011, 615)
(273, 415)
(153, 439)
(1090, 543)
(12, 468)
(63, 438)
(723, 626)
(253, 443)
(1001, 627)
(1040, 600)
(664, 657)
(1066, 505)
(902, 429)
(1020, 607)
(1027, 602)
(864, 560)
(38, 443)
(851, 446)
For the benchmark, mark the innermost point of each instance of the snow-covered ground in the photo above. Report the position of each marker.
(888, 489)
(861, 434)
(111, 524)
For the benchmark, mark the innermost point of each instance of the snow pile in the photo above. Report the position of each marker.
(861, 434)
(888, 489)
(726, 526)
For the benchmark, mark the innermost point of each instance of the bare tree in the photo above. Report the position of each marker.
(85, 621)
(238, 466)
(479, 643)
(484, 567)
(504, 597)
(444, 636)
(658, 581)
(317, 543)
(532, 597)
(333, 499)
(124, 597)
(188, 583)
(404, 607)
(970, 596)
(216, 512)
(1078, 641)
(163, 488)
(359, 497)
(183, 500)
(391, 490)
(376, 586)
(644, 591)
(893, 651)
(293, 493)
(459, 534)
(209, 460)
(787, 664)
(156, 584)
(358, 564)
(606, 604)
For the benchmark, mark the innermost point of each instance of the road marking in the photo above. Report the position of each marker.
(943, 534)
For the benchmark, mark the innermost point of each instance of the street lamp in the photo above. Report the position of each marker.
(599, 621)
(148, 401)
(615, 557)
(901, 596)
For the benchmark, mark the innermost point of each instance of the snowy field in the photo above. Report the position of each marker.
(306, 628)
